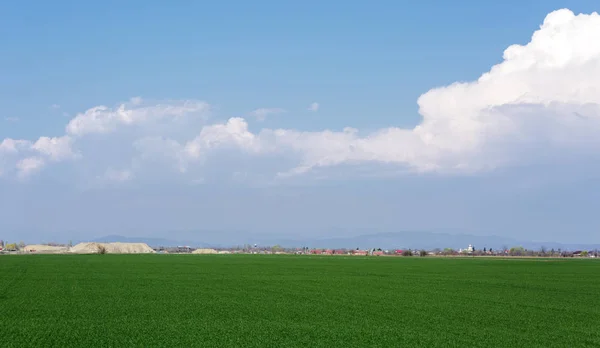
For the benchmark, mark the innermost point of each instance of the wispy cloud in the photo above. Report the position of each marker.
(314, 107)
(262, 113)
(55, 106)
(11, 119)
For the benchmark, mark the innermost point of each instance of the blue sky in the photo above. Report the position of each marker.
(498, 163)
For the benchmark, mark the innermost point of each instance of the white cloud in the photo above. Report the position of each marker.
(29, 165)
(533, 96)
(542, 100)
(102, 119)
(234, 133)
(9, 145)
(55, 106)
(57, 149)
(9, 153)
(314, 107)
(161, 151)
(26, 157)
(262, 113)
(11, 119)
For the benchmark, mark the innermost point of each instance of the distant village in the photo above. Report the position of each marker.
(468, 251)
(124, 248)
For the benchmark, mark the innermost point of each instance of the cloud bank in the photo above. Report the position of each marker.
(542, 101)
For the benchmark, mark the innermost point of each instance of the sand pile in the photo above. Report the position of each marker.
(45, 249)
(204, 251)
(112, 248)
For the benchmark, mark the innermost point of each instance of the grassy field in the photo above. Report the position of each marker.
(285, 301)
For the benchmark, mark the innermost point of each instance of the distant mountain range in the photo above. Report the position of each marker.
(390, 240)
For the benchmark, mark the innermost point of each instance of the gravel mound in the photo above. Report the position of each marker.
(112, 248)
(204, 251)
(45, 249)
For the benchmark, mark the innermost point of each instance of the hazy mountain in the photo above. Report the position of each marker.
(389, 240)
(430, 240)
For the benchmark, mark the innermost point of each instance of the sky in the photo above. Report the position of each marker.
(148, 118)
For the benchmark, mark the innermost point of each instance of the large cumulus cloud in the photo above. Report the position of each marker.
(542, 100)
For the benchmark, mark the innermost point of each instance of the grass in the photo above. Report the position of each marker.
(292, 301)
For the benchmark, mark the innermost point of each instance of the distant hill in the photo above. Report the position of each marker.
(431, 240)
(388, 240)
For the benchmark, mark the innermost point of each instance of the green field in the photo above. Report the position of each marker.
(286, 301)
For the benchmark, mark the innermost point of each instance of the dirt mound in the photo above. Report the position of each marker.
(45, 249)
(204, 251)
(112, 248)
